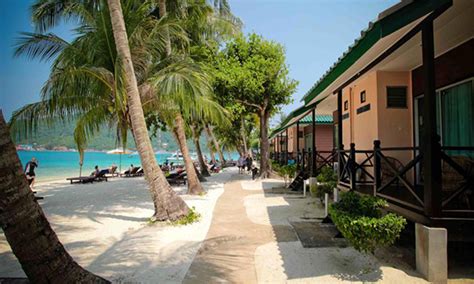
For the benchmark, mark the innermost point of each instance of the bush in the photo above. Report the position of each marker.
(362, 223)
(288, 172)
(327, 174)
(324, 188)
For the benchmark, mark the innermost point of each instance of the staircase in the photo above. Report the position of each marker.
(297, 183)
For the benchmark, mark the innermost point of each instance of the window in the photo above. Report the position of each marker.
(457, 121)
(346, 105)
(362, 97)
(397, 97)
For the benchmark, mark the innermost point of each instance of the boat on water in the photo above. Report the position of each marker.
(177, 158)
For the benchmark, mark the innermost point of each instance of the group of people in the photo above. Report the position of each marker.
(244, 163)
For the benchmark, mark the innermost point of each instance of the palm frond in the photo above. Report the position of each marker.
(43, 46)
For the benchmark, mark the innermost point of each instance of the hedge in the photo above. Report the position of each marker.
(362, 222)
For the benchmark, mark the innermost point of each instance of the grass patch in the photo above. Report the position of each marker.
(192, 217)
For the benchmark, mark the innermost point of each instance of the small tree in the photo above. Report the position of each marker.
(252, 71)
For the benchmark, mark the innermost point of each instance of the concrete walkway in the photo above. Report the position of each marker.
(227, 253)
(251, 240)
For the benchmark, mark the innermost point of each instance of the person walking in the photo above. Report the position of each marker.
(249, 162)
(241, 164)
(30, 171)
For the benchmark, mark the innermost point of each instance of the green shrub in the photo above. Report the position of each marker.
(288, 172)
(324, 188)
(326, 174)
(361, 221)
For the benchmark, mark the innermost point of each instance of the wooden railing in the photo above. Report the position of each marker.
(377, 172)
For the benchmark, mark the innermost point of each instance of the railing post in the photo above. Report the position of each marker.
(352, 166)
(302, 160)
(340, 158)
(377, 167)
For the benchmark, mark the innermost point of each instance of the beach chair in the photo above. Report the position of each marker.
(84, 179)
(131, 173)
(112, 172)
(177, 178)
(90, 179)
(101, 176)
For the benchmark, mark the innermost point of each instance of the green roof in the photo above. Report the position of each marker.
(320, 119)
(308, 119)
(369, 37)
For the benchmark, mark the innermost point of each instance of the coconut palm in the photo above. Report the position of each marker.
(88, 80)
(199, 21)
(33, 241)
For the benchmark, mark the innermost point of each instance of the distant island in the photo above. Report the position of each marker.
(60, 137)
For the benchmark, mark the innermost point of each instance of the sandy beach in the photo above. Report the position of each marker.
(104, 226)
(249, 232)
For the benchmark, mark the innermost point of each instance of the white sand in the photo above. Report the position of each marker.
(289, 262)
(283, 262)
(104, 227)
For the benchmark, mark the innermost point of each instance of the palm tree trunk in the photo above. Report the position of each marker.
(31, 238)
(210, 133)
(162, 13)
(168, 205)
(194, 186)
(202, 163)
(211, 151)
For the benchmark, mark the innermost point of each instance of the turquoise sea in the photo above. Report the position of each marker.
(55, 165)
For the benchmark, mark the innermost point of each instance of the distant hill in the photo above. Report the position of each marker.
(61, 135)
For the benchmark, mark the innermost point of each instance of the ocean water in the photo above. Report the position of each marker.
(55, 165)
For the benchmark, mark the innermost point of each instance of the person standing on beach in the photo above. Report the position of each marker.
(30, 171)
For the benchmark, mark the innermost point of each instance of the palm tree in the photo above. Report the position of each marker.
(172, 207)
(196, 131)
(33, 241)
(88, 80)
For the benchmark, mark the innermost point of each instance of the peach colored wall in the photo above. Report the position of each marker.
(360, 129)
(395, 126)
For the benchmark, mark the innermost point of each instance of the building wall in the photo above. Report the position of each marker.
(450, 67)
(395, 127)
(360, 128)
(324, 137)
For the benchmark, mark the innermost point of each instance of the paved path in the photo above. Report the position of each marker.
(227, 254)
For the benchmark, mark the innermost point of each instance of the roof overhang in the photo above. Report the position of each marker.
(391, 25)
(452, 28)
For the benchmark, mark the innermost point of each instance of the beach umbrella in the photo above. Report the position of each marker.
(119, 151)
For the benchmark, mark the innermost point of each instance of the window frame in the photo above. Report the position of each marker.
(363, 97)
(406, 97)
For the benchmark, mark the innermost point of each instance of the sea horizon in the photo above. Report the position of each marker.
(56, 165)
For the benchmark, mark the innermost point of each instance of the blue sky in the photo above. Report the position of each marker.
(314, 32)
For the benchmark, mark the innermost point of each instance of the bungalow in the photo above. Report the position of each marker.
(402, 97)
(288, 147)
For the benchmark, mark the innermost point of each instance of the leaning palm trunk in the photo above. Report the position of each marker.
(194, 186)
(168, 205)
(210, 133)
(202, 163)
(31, 238)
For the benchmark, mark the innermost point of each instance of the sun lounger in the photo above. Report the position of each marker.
(135, 172)
(112, 172)
(177, 178)
(89, 179)
(84, 179)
